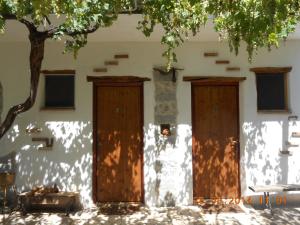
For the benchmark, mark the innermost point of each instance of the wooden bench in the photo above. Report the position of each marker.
(266, 189)
(50, 201)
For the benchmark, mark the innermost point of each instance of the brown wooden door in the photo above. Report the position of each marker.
(119, 122)
(215, 141)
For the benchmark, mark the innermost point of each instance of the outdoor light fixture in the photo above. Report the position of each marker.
(166, 72)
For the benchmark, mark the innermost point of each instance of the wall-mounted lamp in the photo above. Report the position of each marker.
(163, 71)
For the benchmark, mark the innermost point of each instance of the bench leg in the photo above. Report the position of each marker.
(70, 206)
(268, 201)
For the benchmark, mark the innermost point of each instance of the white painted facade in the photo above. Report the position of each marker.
(69, 163)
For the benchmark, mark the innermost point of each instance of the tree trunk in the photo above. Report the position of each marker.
(37, 42)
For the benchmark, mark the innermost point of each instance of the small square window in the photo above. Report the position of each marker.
(59, 90)
(271, 86)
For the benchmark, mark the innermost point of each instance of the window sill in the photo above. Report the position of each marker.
(57, 109)
(284, 111)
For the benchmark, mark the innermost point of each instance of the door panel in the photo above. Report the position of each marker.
(215, 141)
(119, 143)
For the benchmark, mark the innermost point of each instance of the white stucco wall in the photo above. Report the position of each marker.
(69, 164)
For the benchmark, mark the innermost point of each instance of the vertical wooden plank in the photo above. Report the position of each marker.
(94, 181)
(132, 141)
(201, 151)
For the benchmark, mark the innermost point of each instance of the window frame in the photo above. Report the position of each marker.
(280, 71)
(57, 73)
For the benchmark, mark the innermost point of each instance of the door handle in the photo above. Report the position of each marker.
(235, 146)
(234, 142)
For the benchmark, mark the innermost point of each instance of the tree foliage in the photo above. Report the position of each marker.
(79, 17)
(257, 23)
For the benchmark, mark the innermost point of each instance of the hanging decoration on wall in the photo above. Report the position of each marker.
(33, 129)
(48, 142)
(164, 71)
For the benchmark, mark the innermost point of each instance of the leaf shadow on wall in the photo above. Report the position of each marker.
(168, 180)
(68, 163)
(264, 163)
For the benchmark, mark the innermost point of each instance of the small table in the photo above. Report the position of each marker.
(266, 189)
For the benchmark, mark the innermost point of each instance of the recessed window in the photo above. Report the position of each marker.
(272, 89)
(59, 89)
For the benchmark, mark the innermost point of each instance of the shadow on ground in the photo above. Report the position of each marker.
(190, 215)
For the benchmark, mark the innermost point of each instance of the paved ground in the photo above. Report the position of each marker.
(191, 215)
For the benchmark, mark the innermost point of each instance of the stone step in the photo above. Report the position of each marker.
(210, 54)
(222, 61)
(121, 56)
(100, 70)
(111, 63)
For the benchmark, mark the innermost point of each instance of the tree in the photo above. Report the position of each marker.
(79, 19)
(257, 23)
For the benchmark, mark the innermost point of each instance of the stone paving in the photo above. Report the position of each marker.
(190, 215)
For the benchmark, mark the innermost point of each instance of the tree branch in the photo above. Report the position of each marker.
(37, 43)
(9, 17)
(28, 24)
(48, 20)
(87, 31)
(52, 31)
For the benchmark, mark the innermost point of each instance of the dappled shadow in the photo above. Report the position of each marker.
(119, 172)
(185, 193)
(160, 216)
(119, 144)
(219, 206)
(168, 173)
(118, 208)
(157, 216)
(215, 142)
(215, 170)
(262, 162)
(68, 163)
(8, 162)
(254, 143)
(279, 215)
(168, 159)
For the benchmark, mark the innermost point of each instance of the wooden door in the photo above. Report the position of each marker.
(119, 142)
(215, 141)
